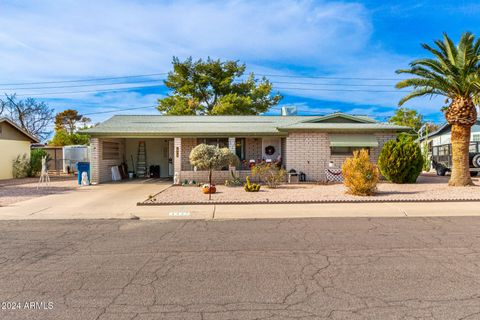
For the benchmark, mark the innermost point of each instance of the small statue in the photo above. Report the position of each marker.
(85, 181)
(176, 178)
(44, 177)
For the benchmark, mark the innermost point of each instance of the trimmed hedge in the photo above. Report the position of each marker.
(401, 160)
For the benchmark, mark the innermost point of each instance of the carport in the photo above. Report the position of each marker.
(139, 154)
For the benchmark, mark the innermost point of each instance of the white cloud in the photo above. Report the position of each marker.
(51, 39)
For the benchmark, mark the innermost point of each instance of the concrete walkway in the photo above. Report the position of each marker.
(118, 201)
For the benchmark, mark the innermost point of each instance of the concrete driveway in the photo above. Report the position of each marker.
(104, 201)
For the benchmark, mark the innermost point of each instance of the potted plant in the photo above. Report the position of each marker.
(208, 188)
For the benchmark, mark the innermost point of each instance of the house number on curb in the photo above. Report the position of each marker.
(179, 214)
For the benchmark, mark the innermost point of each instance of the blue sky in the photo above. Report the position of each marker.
(354, 45)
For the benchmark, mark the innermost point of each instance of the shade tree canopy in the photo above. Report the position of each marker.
(215, 87)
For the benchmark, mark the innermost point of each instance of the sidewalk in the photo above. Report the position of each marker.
(118, 201)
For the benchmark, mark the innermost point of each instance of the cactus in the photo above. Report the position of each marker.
(234, 181)
(251, 187)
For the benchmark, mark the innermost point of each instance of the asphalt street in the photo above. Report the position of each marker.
(328, 268)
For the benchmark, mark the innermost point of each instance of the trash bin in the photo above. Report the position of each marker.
(83, 167)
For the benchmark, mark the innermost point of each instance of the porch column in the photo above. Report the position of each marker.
(177, 160)
(95, 160)
(232, 147)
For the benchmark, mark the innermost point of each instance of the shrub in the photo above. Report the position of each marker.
(21, 167)
(234, 180)
(251, 187)
(360, 176)
(272, 174)
(401, 160)
(36, 161)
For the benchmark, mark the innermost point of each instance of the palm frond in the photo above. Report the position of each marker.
(450, 49)
(417, 93)
(453, 72)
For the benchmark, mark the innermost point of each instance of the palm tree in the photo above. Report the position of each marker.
(454, 74)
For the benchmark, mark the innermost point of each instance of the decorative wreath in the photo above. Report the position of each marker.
(269, 150)
(334, 173)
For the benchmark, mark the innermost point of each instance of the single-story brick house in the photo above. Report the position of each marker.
(304, 143)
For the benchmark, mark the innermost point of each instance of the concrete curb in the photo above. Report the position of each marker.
(243, 202)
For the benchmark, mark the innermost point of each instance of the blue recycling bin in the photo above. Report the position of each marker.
(83, 167)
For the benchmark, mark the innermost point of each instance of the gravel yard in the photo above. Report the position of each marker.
(16, 190)
(428, 188)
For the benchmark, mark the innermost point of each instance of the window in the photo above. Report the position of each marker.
(110, 150)
(219, 142)
(476, 137)
(473, 147)
(341, 151)
(444, 150)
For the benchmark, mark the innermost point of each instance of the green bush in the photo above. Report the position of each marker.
(21, 167)
(36, 161)
(272, 174)
(234, 180)
(401, 160)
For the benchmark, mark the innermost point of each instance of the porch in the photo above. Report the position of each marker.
(250, 151)
(171, 155)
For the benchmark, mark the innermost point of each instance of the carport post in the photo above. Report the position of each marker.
(232, 147)
(177, 158)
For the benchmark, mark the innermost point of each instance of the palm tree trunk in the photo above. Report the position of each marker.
(460, 161)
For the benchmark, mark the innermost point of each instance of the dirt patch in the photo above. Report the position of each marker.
(16, 190)
(427, 188)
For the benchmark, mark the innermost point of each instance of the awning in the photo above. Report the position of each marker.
(353, 140)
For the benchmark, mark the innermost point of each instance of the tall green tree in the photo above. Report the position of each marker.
(67, 123)
(70, 120)
(407, 117)
(215, 87)
(454, 74)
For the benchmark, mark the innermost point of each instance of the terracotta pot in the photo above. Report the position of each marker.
(207, 190)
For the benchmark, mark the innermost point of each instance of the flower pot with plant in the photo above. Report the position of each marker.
(209, 188)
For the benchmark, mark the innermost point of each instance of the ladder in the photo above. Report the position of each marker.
(142, 160)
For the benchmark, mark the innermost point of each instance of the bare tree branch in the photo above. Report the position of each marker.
(31, 115)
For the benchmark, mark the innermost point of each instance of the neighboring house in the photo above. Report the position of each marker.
(304, 143)
(442, 135)
(441, 140)
(64, 158)
(14, 142)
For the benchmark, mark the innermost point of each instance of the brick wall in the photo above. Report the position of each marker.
(218, 177)
(253, 148)
(309, 152)
(187, 145)
(100, 169)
